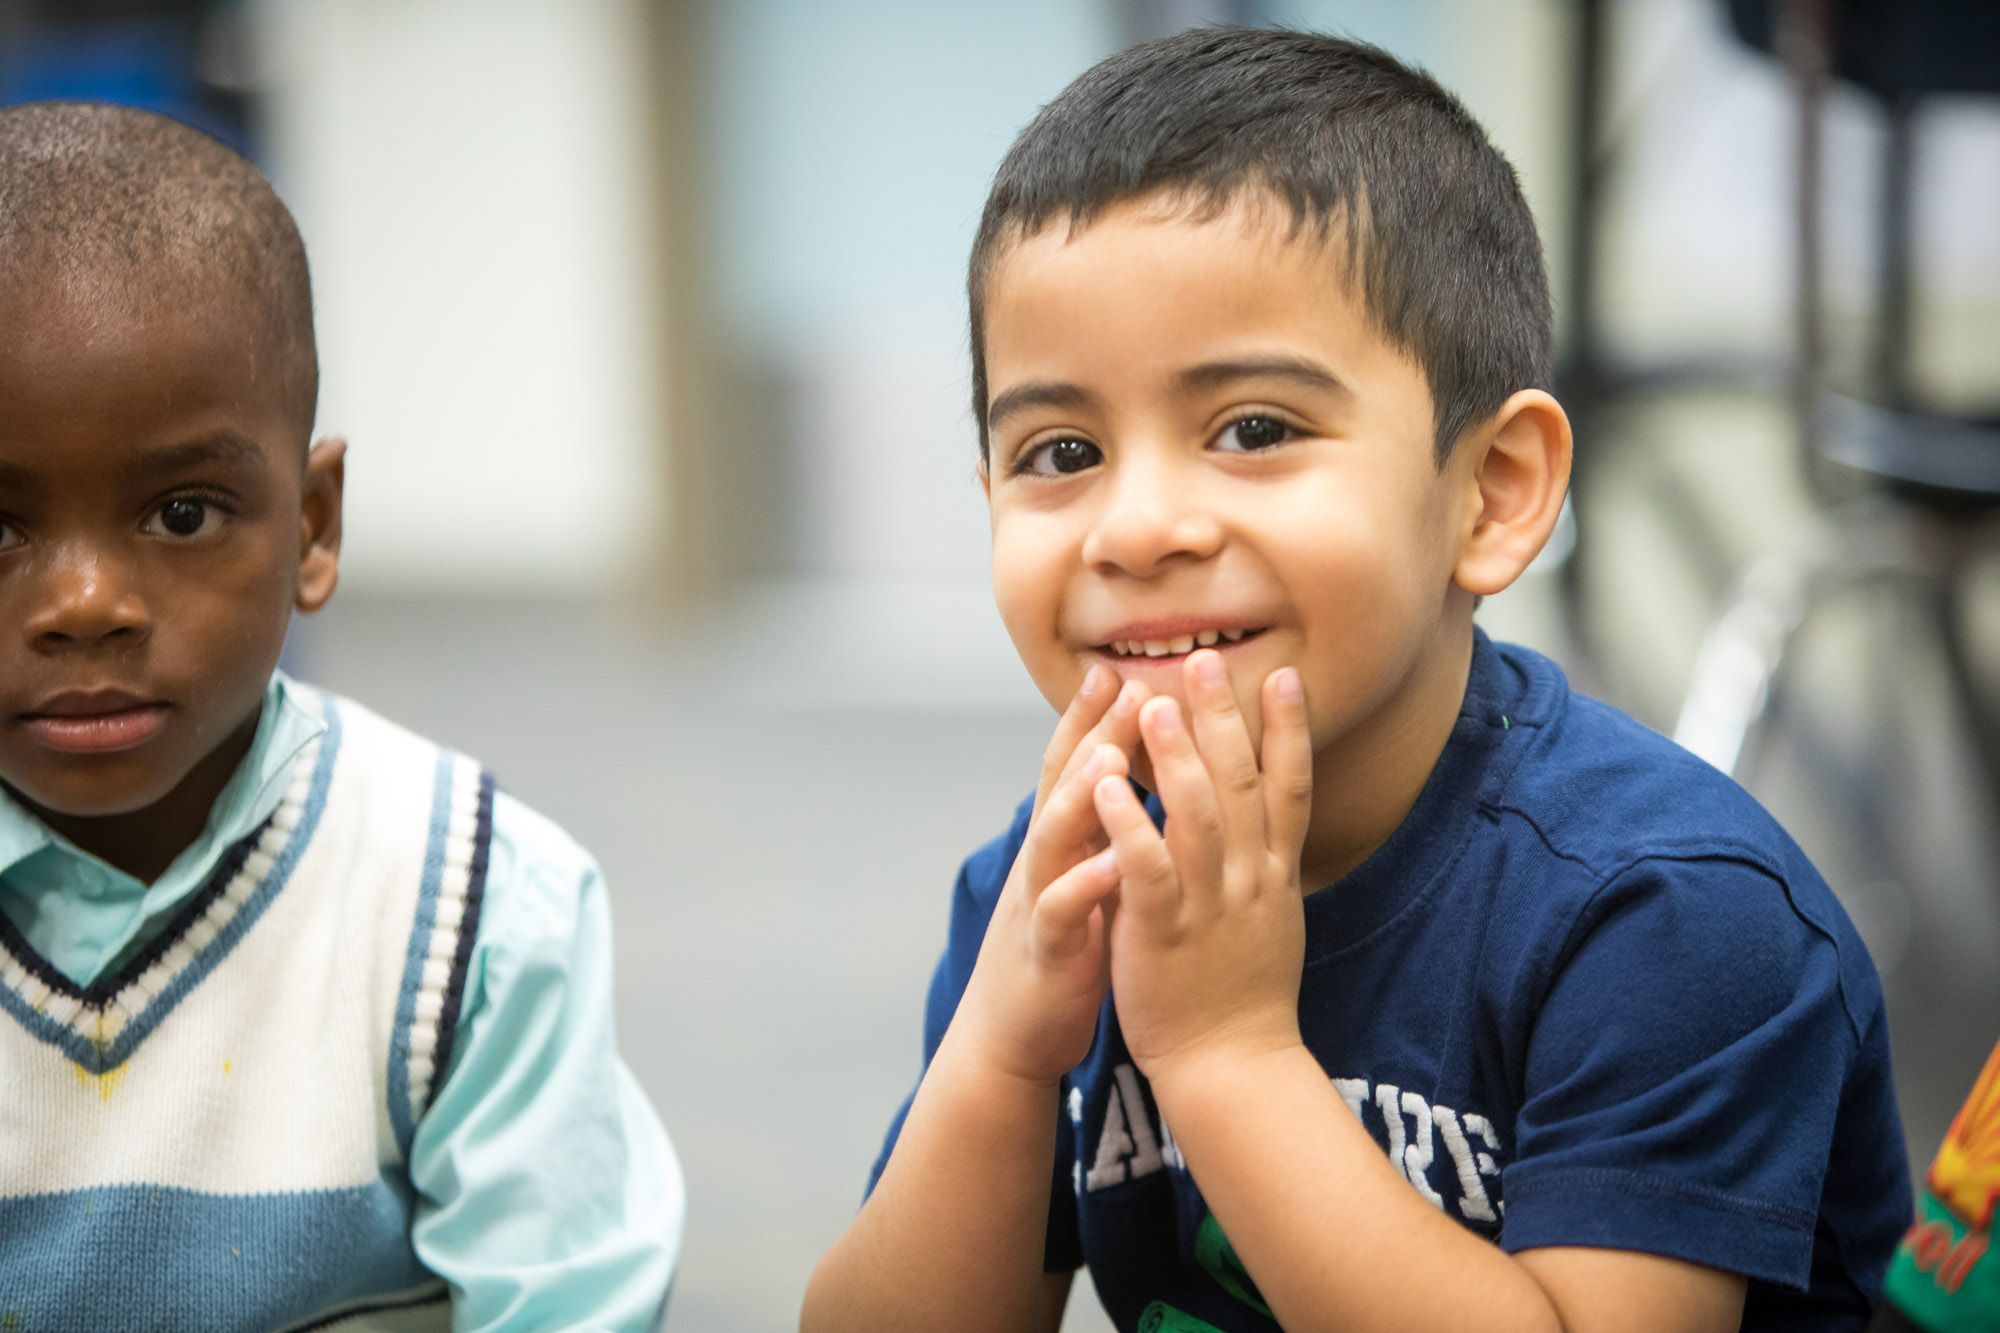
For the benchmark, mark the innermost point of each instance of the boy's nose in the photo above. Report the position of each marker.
(85, 599)
(1152, 516)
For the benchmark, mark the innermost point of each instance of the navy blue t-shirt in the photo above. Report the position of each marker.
(1588, 993)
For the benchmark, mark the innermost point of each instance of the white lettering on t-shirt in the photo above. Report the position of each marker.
(1472, 1200)
(1133, 1142)
(1389, 1098)
(1417, 1157)
(1353, 1091)
(1145, 1147)
(1411, 1127)
(1076, 1138)
(1487, 1162)
(1114, 1145)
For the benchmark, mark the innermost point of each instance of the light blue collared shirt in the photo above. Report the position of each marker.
(549, 1195)
(82, 914)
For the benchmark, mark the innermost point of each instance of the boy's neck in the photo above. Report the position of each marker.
(143, 843)
(1364, 786)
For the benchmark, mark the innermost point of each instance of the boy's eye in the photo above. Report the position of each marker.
(11, 536)
(183, 516)
(1249, 434)
(1059, 458)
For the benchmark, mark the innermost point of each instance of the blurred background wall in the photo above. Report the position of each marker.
(474, 182)
(645, 320)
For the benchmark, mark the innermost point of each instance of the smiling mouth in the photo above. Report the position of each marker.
(1177, 646)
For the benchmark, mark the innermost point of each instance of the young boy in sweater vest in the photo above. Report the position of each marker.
(1445, 998)
(302, 1022)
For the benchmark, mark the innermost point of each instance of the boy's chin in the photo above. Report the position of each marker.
(100, 794)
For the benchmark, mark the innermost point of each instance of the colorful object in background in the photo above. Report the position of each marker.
(1966, 1174)
(1946, 1275)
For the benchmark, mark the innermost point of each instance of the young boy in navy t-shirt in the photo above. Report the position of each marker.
(1563, 1031)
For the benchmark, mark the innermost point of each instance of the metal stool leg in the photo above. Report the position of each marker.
(1737, 667)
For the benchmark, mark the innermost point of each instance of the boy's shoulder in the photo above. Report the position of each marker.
(1596, 816)
(521, 844)
(1589, 786)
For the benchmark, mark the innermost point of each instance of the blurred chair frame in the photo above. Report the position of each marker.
(1933, 503)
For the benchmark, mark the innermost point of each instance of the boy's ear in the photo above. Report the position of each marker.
(985, 478)
(319, 526)
(1518, 475)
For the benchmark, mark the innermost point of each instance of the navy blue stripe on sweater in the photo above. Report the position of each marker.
(99, 1056)
(402, 1114)
(468, 931)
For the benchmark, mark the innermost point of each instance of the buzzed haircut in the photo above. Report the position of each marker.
(1366, 154)
(167, 216)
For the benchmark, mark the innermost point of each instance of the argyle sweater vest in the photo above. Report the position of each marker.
(215, 1136)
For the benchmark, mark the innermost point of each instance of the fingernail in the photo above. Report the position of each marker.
(1093, 681)
(1165, 720)
(1208, 669)
(1093, 766)
(1105, 862)
(1289, 688)
(1125, 698)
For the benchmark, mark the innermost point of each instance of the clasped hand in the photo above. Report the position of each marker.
(1199, 931)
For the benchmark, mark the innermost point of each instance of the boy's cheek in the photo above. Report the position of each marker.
(1057, 672)
(1054, 670)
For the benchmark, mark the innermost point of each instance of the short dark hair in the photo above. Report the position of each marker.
(165, 212)
(1345, 136)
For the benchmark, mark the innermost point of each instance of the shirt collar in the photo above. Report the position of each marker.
(289, 721)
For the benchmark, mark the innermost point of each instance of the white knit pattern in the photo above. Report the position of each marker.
(102, 1024)
(441, 949)
(270, 1072)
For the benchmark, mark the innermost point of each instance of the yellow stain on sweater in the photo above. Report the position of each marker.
(105, 1083)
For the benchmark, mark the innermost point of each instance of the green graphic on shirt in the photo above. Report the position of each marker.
(1159, 1317)
(1217, 1258)
(1943, 1276)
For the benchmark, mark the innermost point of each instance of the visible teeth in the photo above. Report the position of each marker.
(1186, 643)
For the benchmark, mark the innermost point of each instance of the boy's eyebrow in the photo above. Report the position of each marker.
(1035, 393)
(1196, 379)
(224, 446)
(1216, 374)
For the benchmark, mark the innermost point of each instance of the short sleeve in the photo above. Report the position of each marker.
(974, 896)
(1684, 1075)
